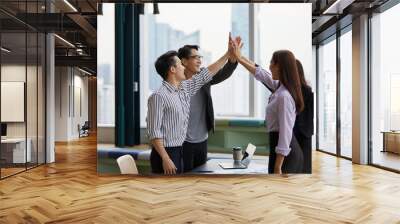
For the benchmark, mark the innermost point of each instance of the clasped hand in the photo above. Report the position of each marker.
(234, 48)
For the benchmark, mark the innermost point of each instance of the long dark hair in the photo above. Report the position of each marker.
(300, 70)
(289, 76)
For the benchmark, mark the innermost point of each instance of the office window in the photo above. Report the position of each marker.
(288, 32)
(327, 96)
(231, 98)
(207, 26)
(105, 67)
(346, 94)
(385, 88)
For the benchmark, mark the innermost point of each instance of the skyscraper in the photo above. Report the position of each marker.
(231, 98)
(162, 37)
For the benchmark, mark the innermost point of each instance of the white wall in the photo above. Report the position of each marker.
(312, 82)
(33, 125)
(79, 117)
(71, 94)
(61, 103)
(11, 73)
(105, 75)
(17, 73)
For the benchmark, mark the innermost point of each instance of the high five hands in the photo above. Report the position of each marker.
(234, 47)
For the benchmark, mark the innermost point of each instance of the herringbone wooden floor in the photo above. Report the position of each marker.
(70, 191)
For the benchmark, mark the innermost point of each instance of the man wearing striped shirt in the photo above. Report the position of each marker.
(168, 110)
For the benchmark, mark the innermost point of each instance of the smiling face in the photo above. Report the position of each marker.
(178, 70)
(274, 68)
(193, 62)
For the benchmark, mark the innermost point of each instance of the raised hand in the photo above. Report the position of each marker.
(232, 58)
(237, 45)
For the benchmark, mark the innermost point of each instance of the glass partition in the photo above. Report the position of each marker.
(346, 94)
(327, 96)
(385, 89)
(14, 153)
(22, 89)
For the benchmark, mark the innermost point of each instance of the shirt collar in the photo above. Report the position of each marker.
(170, 87)
(280, 88)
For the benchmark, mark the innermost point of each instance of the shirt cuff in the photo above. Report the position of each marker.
(155, 135)
(282, 151)
(205, 75)
(259, 73)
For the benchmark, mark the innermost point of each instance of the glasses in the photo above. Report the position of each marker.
(198, 57)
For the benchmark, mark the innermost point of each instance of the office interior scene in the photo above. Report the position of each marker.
(29, 58)
(76, 78)
(238, 102)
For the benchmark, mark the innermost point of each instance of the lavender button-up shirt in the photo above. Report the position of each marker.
(281, 111)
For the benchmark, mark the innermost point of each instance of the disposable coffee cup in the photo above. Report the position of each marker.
(237, 153)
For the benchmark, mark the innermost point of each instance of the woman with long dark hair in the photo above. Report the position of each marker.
(285, 102)
(304, 125)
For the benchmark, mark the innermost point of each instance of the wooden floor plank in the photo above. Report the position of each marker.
(70, 191)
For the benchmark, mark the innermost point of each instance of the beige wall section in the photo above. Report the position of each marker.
(62, 81)
(71, 102)
(41, 115)
(106, 135)
(50, 95)
(360, 90)
(32, 110)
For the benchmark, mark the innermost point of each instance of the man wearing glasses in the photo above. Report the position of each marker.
(169, 107)
(201, 116)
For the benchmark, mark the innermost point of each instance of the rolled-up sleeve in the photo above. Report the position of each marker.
(287, 117)
(265, 77)
(197, 81)
(155, 117)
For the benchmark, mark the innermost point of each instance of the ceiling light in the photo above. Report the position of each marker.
(5, 50)
(338, 6)
(65, 41)
(84, 71)
(70, 5)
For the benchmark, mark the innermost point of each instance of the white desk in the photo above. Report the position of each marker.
(256, 166)
(17, 146)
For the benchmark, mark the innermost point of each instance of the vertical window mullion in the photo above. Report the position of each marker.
(369, 81)
(252, 44)
(338, 73)
(26, 86)
(317, 95)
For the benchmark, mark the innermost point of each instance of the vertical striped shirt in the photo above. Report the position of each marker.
(168, 109)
